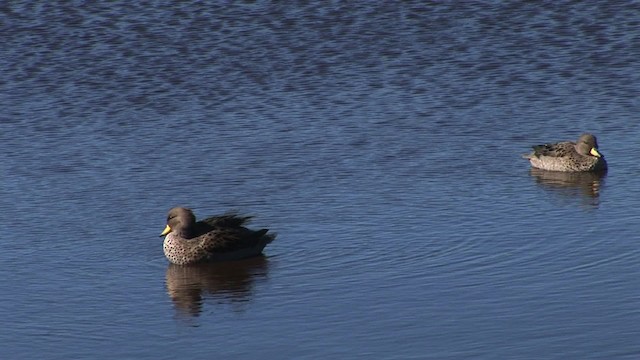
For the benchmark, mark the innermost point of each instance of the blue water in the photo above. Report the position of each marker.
(381, 141)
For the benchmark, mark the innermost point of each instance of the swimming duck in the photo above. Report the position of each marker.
(581, 156)
(217, 238)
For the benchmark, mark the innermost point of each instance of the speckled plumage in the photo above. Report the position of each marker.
(216, 238)
(581, 156)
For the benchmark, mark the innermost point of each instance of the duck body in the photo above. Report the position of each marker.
(217, 238)
(567, 156)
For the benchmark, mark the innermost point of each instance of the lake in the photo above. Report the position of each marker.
(381, 141)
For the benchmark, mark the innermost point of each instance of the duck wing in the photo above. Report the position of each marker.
(233, 238)
(554, 150)
(229, 220)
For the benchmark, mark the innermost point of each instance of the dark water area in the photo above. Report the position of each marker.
(380, 140)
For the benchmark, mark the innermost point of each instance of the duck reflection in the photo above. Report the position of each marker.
(588, 184)
(226, 282)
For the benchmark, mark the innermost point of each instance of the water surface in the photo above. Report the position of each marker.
(381, 142)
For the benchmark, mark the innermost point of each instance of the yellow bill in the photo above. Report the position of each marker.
(595, 152)
(166, 230)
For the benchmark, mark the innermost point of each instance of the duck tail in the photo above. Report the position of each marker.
(262, 234)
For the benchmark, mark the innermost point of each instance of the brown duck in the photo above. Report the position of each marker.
(581, 156)
(217, 238)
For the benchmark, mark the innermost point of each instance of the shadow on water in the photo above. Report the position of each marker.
(225, 282)
(585, 184)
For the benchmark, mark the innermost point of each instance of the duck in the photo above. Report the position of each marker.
(567, 156)
(216, 238)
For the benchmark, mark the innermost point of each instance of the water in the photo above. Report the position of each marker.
(381, 142)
